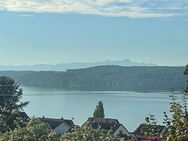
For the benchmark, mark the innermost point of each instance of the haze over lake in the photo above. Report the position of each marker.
(130, 108)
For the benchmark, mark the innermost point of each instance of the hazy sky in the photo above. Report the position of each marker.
(56, 31)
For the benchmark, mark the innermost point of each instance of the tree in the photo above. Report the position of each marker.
(35, 130)
(10, 104)
(88, 134)
(99, 111)
(152, 132)
(177, 125)
(179, 121)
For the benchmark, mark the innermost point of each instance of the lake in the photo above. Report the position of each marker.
(130, 108)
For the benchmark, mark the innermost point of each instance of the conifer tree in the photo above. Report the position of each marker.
(99, 111)
(10, 104)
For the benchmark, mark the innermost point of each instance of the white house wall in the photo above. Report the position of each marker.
(62, 128)
(124, 131)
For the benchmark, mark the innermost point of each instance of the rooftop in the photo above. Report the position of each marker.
(103, 123)
(56, 122)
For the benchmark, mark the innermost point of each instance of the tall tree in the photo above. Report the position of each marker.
(99, 111)
(10, 104)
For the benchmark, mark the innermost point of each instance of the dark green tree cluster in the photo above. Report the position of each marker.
(10, 104)
(99, 111)
(88, 134)
(35, 130)
(106, 78)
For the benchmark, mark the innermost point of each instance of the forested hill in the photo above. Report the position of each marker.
(105, 78)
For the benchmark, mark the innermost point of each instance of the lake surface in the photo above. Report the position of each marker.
(130, 108)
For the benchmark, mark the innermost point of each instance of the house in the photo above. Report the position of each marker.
(61, 126)
(109, 125)
(139, 133)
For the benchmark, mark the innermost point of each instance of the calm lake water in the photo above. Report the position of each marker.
(130, 108)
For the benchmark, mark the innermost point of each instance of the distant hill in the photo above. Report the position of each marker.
(109, 77)
(65, 66)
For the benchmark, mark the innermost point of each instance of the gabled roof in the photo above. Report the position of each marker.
(70, 122)
(107, 124)
(128, 133)
(145, 127)
(102, 120)
(53, 123)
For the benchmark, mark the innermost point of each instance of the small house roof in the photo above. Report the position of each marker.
(145, 127)
(53, 123)
(107, 124)
(102, 120)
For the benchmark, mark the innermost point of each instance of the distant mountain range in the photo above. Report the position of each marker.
(65, 66)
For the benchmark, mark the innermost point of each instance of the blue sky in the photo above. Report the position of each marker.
(56, 31)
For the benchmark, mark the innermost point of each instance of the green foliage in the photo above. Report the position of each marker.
(10, 119)
(10, 104)
(10, 93)
(179, 129)
(99, 111)
(88, 134)
(177, 125)
(151, 127)
(151, 120)
(35, 130)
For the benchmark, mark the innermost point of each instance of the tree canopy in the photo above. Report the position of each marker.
(99, 111)
(35, 130)
(106, 78)
(10, 104)
(177, 124)
(88, 134)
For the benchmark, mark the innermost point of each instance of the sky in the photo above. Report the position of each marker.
(63, 31)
